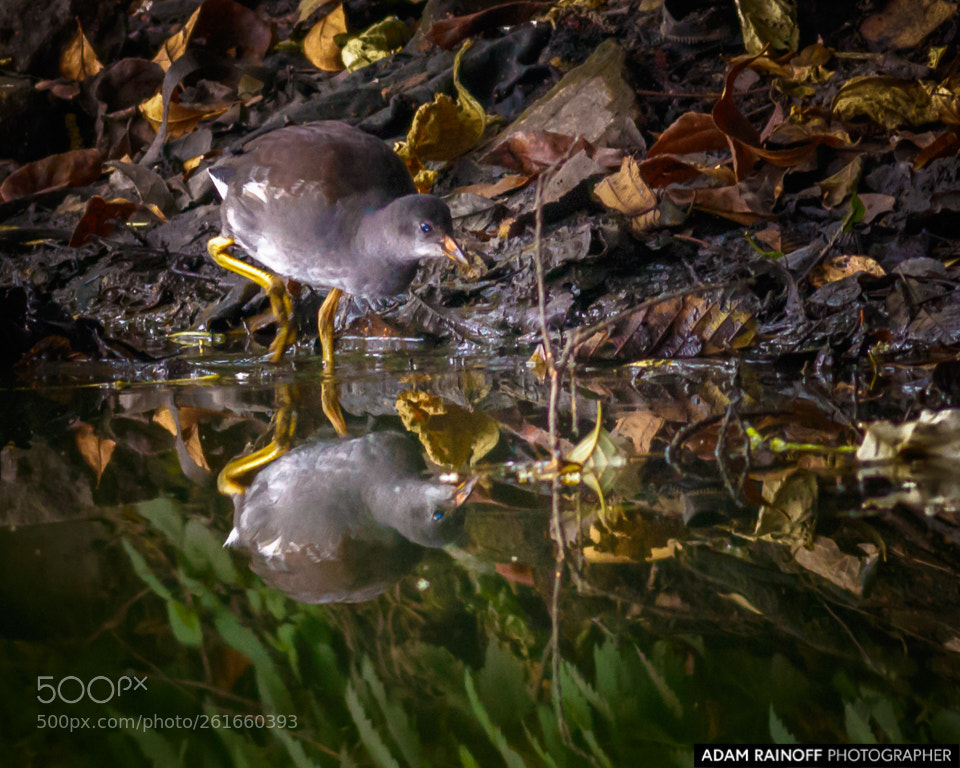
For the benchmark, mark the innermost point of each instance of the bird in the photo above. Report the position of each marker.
(330, 206)
(340, 520)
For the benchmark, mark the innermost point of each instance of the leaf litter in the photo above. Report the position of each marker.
(794, 206)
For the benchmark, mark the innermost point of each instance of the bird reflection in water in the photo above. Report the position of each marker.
(342, 520)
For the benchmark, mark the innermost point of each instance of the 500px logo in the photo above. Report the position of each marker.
(99, 689)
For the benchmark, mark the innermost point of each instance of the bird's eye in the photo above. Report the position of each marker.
(426, 227)
(437, 516)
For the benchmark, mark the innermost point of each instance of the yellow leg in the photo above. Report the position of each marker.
(280, 303)
(330, 402)
(233, 479)
(328, 311)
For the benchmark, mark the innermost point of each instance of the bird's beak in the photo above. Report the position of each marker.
(452, 251)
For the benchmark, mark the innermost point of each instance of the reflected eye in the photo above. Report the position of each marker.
(426, 227)
(437, 516)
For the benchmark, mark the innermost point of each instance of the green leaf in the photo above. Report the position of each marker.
(595, 748)
(142, 570)
(501, 686)
(163, 515)
(608, 664)
(886, 718)
(242, 639)
(185, 623)
(204, 552)
(368, 734)
(666, 693)
(858, 727)
(404, 734)
(778, 731)
(466, 759)
(156, 748)
(510, 757)
(857, 211)
(588, 691)
(541, 752)
(294, 749)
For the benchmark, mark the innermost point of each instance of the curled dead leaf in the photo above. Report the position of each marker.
(101, 217)
(447, 33)
(442, 129)
(76, 168)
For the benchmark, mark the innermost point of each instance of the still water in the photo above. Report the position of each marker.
(418, 581)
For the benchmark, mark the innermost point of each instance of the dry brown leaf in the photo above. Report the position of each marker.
(532, 152)
(516, 572)
(904, 23)
(447, 33)
(731, 203)
(944, 145)
(69, 169)
(692, 132)
(319, 46)
(847, 571)
(500, 187)
(673, 328)
(78, 60)
(96, 451)
(100, 217)
(640, 427)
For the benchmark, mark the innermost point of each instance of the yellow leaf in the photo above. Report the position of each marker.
(626, 191)
(451, 435)
(189, 432)
(319, 46)
(893, 102)
(839, 267)
(772, 22)
(78, 60)
(181, 119)
(379, 41)
(444, 129)
(174, 47)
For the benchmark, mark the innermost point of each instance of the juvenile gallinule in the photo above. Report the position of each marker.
(329, 206)
(341, 520)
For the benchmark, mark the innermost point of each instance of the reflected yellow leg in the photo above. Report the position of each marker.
(330, 402)
(233, 480)
(280, 303)
(325, 317)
